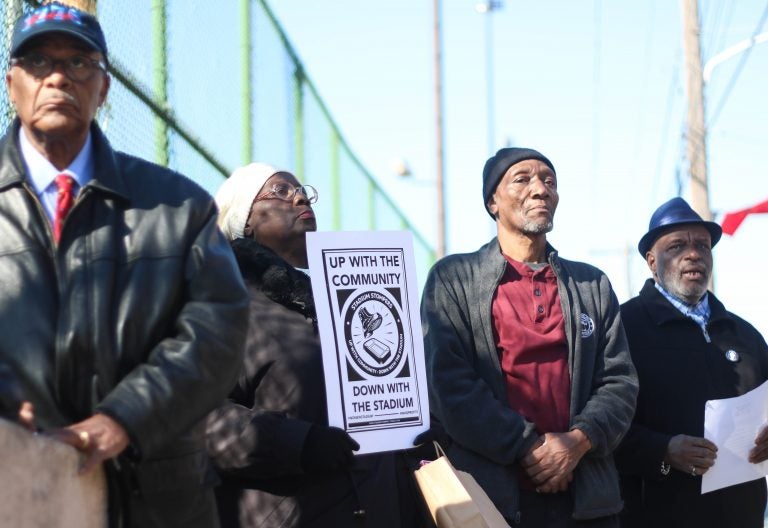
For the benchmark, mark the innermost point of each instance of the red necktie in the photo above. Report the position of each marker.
(64, 200)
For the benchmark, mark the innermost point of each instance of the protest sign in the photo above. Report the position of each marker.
(367, 302)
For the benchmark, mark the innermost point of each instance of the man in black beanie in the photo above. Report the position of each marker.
(528, 366)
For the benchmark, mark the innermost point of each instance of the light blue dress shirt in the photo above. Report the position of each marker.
(700, 313)
(42, 174)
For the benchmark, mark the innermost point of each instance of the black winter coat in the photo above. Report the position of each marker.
(678, 372)
(137, 313)
(256, 438)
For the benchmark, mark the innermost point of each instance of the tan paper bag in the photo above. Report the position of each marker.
(454, 498)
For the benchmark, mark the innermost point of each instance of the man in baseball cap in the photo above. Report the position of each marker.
(58, 18)
(125, 322)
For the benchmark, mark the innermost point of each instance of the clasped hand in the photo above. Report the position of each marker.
(551, 461)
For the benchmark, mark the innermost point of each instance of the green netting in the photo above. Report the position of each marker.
(177, 97)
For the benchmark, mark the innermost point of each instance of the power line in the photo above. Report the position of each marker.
(598, 8)
(720, 41)
(642, 109)
(711, 20)
(739, 68)
(664, 141)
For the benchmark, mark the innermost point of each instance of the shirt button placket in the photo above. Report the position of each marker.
(539, 315)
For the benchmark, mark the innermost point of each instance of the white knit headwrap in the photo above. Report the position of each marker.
(236, 194)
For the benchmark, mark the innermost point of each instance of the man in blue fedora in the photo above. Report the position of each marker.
(687, 349)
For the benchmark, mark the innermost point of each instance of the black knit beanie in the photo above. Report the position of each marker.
(498, 164)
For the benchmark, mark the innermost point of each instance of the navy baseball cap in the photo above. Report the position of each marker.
(58, 18)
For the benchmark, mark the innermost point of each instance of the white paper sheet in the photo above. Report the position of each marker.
(367, 302)
(733, 424)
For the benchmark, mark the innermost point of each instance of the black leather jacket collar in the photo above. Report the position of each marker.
(107, 175)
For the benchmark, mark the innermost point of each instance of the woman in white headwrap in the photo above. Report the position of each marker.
(280, 463)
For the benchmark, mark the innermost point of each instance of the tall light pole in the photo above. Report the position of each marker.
(440, 134)
(487, 8)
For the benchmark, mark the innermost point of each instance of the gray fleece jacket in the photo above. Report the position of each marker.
(467, 389)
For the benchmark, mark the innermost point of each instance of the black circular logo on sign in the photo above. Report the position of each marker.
(373, 330)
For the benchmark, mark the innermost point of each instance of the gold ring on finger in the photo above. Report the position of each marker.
(85, 439)
(693, 470)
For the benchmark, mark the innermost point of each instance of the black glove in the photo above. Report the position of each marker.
(435, 433)
(424, 449)
(327, 449)
(10, 394)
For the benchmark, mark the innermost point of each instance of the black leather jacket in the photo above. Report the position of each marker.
(139, 312)
(467, 390)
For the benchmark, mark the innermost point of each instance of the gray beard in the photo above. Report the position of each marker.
(684, 293)
(537, 228)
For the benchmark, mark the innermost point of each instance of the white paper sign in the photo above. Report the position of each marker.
(367, 301)
(733, 424)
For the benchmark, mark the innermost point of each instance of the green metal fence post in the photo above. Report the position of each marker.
(12, 11)
(160, 74)
(245, 79)
(335, 183)
(298, 121)
(371, 205)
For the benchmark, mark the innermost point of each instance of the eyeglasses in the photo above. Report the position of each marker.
(286, 192)
(77, 68)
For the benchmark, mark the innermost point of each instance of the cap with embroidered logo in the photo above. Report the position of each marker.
(58, 18)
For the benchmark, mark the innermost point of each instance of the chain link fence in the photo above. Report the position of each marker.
(204, 87)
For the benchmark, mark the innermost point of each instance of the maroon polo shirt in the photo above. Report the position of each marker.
(530, 337)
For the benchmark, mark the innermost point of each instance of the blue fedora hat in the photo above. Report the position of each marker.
(675, 212)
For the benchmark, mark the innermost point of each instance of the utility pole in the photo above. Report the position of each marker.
(697, 133)
(440, 134)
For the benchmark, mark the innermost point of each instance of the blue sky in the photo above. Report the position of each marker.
(597, 86)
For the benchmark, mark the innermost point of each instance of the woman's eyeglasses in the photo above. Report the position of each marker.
(287, 192)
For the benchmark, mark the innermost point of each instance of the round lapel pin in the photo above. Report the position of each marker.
(731, 355)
